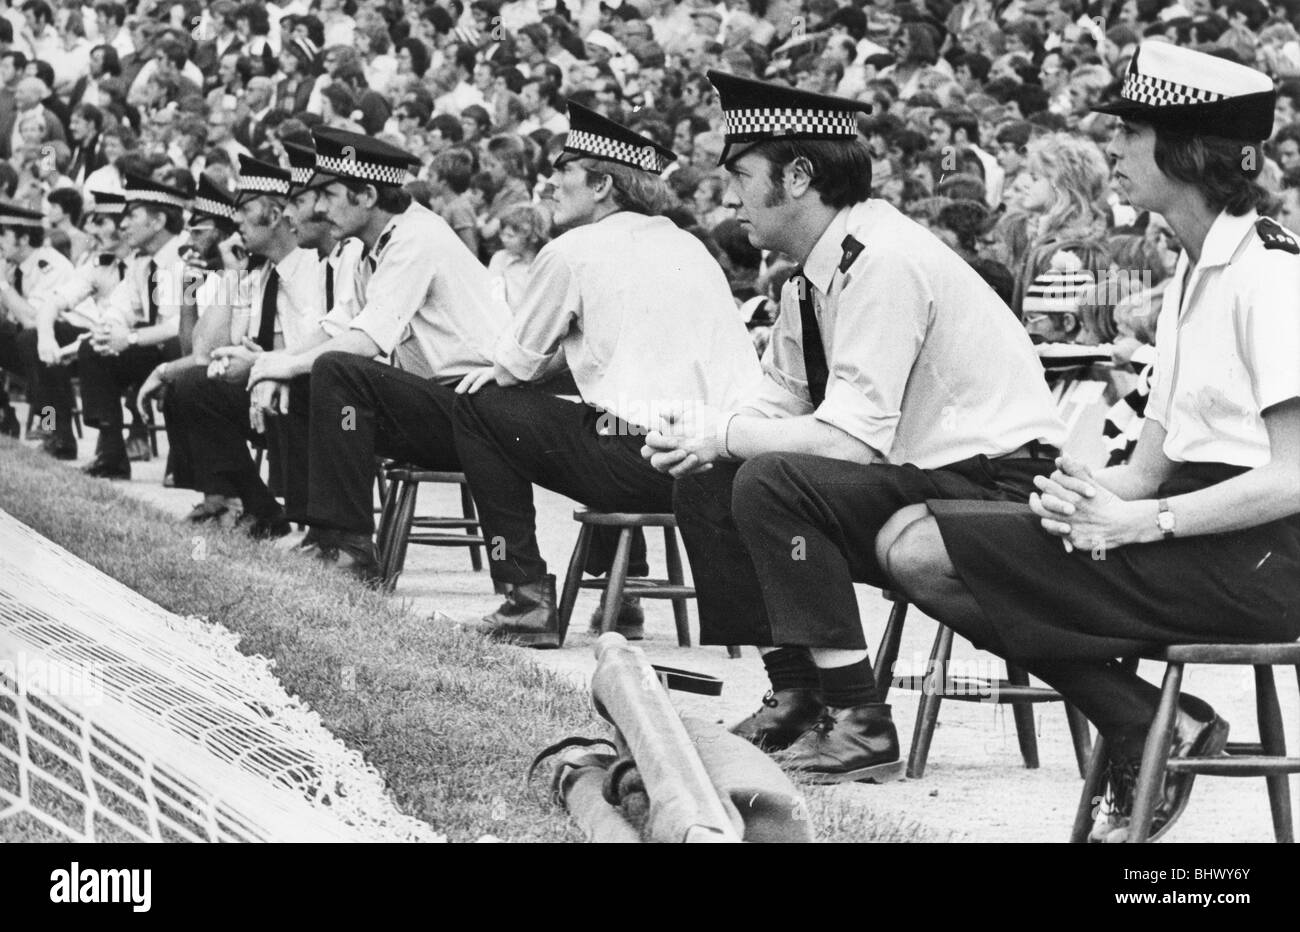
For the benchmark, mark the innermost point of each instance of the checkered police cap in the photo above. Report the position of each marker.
(359, 157)
(139, 190)
(11, 215)
(212, 201)
(107, 202)
(594, 136)
(756, 112)
(257, 178)
(302, 163)
(1193, 92)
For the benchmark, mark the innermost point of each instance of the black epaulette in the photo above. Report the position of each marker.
(1276, 236)
(852, 249)
(382, 242)
(42, 264)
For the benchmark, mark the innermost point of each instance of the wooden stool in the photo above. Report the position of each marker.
(1265, 758)
(399, 527)
(936, 685)
(614, 585)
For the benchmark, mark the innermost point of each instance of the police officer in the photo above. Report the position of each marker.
(141, 320)
(64, 313)
(894, 374)
(427, 301)
(36, 267)
(1197, 538)
(278, 306)
(643, 318)
(210, 293)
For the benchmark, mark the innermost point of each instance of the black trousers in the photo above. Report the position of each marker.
(777, 542)
(511, 438)
(11, 359)
(361, 409)
(289, 450)
(51, 386)
(104, 379)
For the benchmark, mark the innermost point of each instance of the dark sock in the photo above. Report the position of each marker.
(845, 687)
(791, 668)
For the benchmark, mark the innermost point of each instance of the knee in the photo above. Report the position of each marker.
(915, 559)
(704, 493)
(183, 388)
(765, 482)
(893, 529)
(26, 343)
(327, 367)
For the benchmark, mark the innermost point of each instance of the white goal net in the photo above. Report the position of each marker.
(120, 721)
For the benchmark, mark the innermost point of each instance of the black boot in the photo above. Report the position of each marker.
(527, 616)
(784, 716)
(858, 743)
(630, 622)
(351, 554)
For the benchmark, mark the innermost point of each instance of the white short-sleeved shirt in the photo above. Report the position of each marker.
(427, 293)
(129, 301)
(926, 364)
(342, 262)
(1228, 343)
(641, 313)
(299, 299)
(45, 269)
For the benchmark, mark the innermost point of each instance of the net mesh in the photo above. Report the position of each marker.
(121, 721)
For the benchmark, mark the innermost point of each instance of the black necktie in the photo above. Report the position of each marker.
(329, 286)
(814, 353)
(18, 280)
(151, 283)
(266, 328)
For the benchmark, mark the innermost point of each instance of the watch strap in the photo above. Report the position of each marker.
(1165, 527)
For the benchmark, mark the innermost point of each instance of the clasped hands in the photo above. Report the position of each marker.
(1073, 506)
(686, 441)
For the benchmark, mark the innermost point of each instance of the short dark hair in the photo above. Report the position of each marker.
(173, 218)
(1215, 166)
(91, 114)
(448, 125)
(960, 119)
(389, 198)
(841, 170)
(114, 11)
(39, 9)
(20, 60)
(455, 167)
(69, 201)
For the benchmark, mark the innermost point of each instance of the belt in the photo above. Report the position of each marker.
(1033, 450)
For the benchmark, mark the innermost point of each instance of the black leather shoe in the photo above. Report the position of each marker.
(351, 554)
(630, 622)
(846, 745)
(210, 509)
(61, 448)
(9, 426)
(107, 469)
(784, 715)
(266, 527)
(527, 617)
(1192, 738)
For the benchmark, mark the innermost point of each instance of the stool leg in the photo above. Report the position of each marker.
(1155, 754)
(887, 655)
(616, 579)
(1094, 778)
(1023, 714)
(384, 531)
(470, 513)
(1080, 737)
(572, 579)
(676, 577)
(927, 715)
(1272, 736)
(406, 498)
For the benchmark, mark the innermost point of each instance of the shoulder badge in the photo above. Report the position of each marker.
(852, 249)
(382, 242)
(1275, 236)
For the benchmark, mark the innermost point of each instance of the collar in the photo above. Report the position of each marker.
(170, 251)
(824, 259)
(1225, 237)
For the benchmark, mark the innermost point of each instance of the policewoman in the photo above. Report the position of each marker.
(1197, 539)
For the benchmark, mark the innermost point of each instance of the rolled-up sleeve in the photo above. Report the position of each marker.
(397, 290)
(550, 306)
(882, 314)
(1269, 330)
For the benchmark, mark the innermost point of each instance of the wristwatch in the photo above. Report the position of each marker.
(132, 338)
(1165, 519)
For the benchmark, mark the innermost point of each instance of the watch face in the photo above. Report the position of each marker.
(1165, 520)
